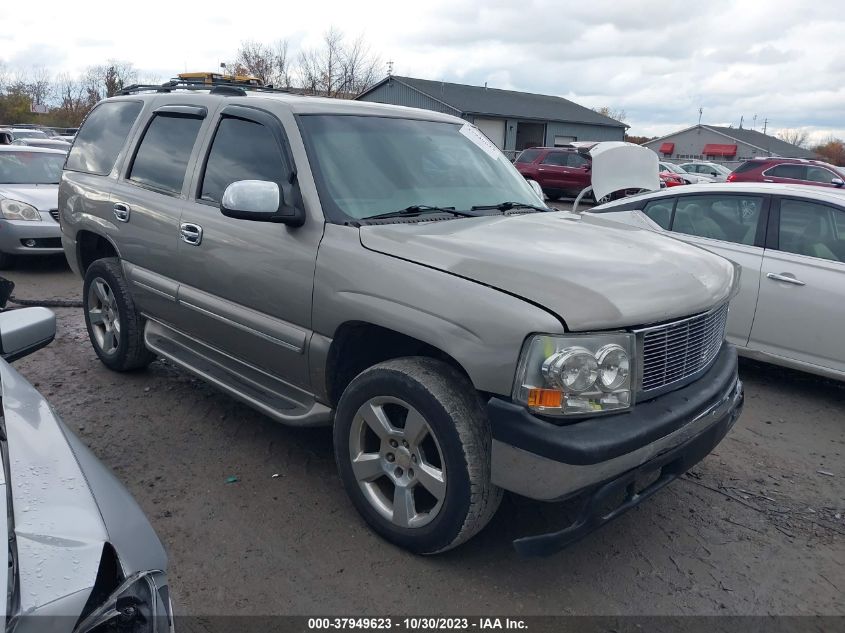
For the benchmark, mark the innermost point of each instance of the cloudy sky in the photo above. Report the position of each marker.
(657, 60)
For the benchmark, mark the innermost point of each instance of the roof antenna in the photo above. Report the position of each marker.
(740, 121)
(754, 122)
(700, 112)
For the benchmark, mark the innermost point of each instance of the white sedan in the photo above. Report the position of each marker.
(789, 241)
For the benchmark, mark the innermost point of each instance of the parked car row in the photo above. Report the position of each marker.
(789, 241)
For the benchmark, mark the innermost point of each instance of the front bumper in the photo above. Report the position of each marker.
(47, 235)
(605, 456)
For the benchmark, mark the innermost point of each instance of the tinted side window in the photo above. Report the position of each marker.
(556, 158)
(746, 166)
(660, 211)
(527, 156)
(820, 174)
(576, 160)
(728, 218)
(241, 150)
(807, 228)
(162, 157)
(798, 172)
(101, 138)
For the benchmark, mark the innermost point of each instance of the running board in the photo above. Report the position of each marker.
(258, 389)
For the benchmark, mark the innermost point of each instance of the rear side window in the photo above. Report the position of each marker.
(660, 211)
(241, 150)
(576, 160)
(101, 138)
(811, 229)
(820, 174)
(796, 172)
(162, 157)
(527, 156)
(556, 158)
(746, 166)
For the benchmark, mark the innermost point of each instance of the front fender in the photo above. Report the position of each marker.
(482, 328)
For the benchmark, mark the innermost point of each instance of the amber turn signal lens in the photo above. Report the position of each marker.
(544, 398)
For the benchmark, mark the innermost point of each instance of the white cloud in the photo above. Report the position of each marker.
(659, 61)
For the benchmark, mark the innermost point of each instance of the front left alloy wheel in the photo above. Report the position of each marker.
(412, 444)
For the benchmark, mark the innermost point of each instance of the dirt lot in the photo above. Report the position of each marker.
(756, 528)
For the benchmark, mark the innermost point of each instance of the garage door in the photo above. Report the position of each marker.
(494, 129)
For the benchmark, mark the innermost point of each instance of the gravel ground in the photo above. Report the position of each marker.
(756, 528)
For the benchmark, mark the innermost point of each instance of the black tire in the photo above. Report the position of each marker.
(6, 261)
(552, 196)
(130, 352)
(456, 418)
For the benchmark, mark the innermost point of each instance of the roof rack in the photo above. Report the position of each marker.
(229, 87)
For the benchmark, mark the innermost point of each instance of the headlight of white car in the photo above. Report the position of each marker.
(576, 374)
(15, 210)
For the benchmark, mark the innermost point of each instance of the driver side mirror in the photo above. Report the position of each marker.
(837, 182)
(261, 201)
(24, 331)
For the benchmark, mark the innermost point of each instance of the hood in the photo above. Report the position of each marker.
(42, 197)
(617, 165)
(592, 273)
(55, 485)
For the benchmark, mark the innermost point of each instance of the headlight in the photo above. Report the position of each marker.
(14, 210)
(137, 605)
(576, 374)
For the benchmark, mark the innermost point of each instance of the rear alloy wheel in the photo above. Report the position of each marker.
(114, 326)
(412, 444)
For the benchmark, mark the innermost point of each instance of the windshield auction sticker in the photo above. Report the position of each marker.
(477, 137)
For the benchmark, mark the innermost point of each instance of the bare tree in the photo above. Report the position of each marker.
(794, 136)
(619, 115)
(336, 69)
(75, 99)
(360, 67)
(106, 80)
(267, 62)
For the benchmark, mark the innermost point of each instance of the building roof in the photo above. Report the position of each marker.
(502, 103)
(765, 143)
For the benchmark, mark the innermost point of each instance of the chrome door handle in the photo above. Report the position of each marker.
(191, 233)
(121, 212)
(785, 277)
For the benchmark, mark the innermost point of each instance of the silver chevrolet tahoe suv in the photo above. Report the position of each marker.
(387, 271)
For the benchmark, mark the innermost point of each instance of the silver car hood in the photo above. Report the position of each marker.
(66, 506)
(592, 273)
(42, 197)
(58, 528)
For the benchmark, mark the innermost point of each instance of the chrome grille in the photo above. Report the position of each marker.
(54, 213)
(674, 351)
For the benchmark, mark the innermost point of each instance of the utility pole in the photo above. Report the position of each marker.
(754, 122)
(389, 68)
(740, 121)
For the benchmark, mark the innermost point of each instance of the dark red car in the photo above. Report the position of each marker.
(560, 171)
(796, 171)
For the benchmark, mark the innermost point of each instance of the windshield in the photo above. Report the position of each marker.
(673, 168)
(35, 168)
(365, 166)
(28, 134)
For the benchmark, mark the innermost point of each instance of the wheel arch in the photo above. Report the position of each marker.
(357, 345)
(91, 246)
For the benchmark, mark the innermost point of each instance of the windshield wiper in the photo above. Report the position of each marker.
(420, 209)
(507, 206)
